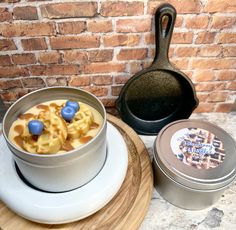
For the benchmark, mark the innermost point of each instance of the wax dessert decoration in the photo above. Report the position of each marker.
(73, 104)
(68, 113)
(55, 126)
(35, 127)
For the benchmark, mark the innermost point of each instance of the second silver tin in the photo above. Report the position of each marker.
(194, 162)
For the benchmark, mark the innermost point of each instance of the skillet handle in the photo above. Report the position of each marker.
(163, 37)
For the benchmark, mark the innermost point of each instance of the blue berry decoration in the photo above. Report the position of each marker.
(35, 127)
(73, 104)
(67, 113)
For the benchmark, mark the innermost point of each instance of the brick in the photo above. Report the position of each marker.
(134, 67)
(10, 84)
(13, 71)
(222, 22)
(152, 52)
(10, 1)
(23, 59)
(226, 75)
(146, 63)
(70, 42)
(211, 63)
(210, 86)
(56, 81)
(51, 57)
(115, 90)
(227, 38)
(210, 51)
(113, 8)
(204, 107)
(189, 73)
(102, 80)
(5, 60)
(9, 96)
(7, 44)
(232, 85)
(5, 15)
(25, 13)
(182, 38)
(97, 90)
(34, 44)
(109, 102)
(213, 6)
(204, 76)
(217, 96)
(185, 51)
(120, 79)
(133, 25)
(180, 63)
(78, 81)
(224, 107)
(197, 22)
(33, 82)
(132, 54)
(220, 86)
(69, 10)
(75, 56)
(202, 97)
(71, 27)
(100, 55)
(103, 67)
(121, 40)
(99, 26)
(27, 29)
(22, 92)
(229, 51)
(205, 37)
(178, 21)
(38, 70)
(149, 39)
(182, 7)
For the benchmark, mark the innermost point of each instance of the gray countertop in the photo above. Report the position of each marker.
(222, 215)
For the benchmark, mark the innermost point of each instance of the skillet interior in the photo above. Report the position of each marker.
(157, 94)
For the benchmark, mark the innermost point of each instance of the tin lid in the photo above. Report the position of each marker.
(196, 154)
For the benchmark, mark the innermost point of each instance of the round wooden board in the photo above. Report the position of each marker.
(125, 211)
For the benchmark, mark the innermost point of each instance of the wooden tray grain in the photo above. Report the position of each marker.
(125, 211)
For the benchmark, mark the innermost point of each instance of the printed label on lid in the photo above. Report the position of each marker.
(198, 148)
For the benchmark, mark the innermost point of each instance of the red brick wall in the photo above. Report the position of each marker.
(98, 45)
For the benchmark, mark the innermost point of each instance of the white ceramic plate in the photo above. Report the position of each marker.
(57, 208)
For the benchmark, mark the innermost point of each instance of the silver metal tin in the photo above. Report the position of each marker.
(194, 162)
(64, 171)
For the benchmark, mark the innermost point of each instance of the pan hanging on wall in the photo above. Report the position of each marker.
(160, 93)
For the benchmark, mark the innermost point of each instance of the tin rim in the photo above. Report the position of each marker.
(67, 155)
(189, 176)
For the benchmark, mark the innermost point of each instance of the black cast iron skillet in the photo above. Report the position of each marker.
(160, 93)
